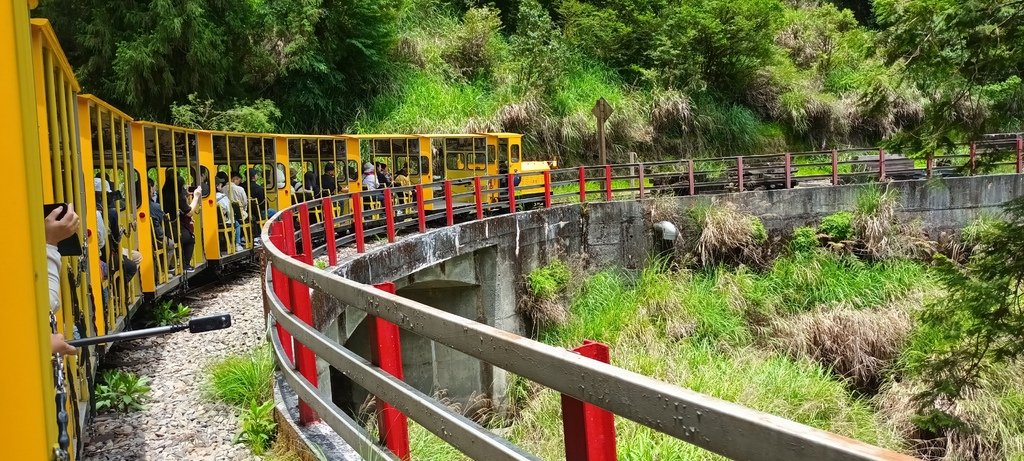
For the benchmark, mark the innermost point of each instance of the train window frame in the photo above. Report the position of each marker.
(205, 184)
(452, 162)
(424, 165)
(515, 153)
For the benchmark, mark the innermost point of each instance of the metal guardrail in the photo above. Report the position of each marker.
(722, 427)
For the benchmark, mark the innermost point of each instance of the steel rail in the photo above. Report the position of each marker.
(722, 427)
(456, 429)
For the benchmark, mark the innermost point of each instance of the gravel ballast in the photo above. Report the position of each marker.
(179, 422)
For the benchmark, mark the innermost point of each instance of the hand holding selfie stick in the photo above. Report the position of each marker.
(199, 325)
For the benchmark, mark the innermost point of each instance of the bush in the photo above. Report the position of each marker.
(727, 235)
(477, 45)
(242, 380)
(838, 226)
(804, 239)
(169, 313)
(121, 391)
(548, 281)
(978, 230)
(258, 427)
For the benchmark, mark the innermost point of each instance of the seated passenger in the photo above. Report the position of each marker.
(175, 194)
(225, 207)
(57, 230)
(308, 187)
(383, 176)
(236, 193)
(259, 196)
(328, 181)
(402, 179)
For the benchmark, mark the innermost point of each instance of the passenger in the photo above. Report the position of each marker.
(402, 179)
(308, 187)
(369, 177)
(224, 203)
(236, 193)
(328, 182)
(158, 218)
(383, 176)
(174, 194)
(257, 194)
(122, 257)
(57, 230)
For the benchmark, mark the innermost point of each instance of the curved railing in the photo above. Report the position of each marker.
(721, 427)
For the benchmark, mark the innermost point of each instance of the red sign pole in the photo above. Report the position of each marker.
(511, 178)
(583, 185)
(448, 208)
(607, 183)
(739, 172)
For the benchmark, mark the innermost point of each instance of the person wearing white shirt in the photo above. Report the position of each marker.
(57, 230)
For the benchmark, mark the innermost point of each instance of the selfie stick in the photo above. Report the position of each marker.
(199, 325)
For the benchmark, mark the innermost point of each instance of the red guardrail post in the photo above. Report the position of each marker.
(357, 221)
(974, 158)
(607, 183)
(583, 185)
(689, 172)
(421, 214)
(478, 195)
(881, 165)
(1020, 154)
(589, 430)
(389, 215)
(929, 162)
(307, 237)
(547, 188)
(739, 172)
(511, 178)
(387, 354)
(448, 208)
(332, 244)
(282, 288)
(788, 165)
(835, 168)
(641, 174)
(305, 361)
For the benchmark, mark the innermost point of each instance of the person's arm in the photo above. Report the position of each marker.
(57, 230)
(53, 275)
(195, 202)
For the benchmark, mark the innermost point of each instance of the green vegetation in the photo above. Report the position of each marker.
(257, 426)
(548, 281)
(695, 329)
(245, 382)
(714, 77)
(242, 380)
(121, 391)
(804, 239)
(170, 313)
(975, 330)
(838, 226)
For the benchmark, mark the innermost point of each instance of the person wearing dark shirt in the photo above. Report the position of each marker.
(257, 197)
(328, 181)
(176, 197)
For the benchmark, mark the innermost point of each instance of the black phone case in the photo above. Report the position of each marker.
(70, 246)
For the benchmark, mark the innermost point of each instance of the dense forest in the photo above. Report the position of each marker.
(691, 78)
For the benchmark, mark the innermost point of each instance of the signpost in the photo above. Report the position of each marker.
(602, 110)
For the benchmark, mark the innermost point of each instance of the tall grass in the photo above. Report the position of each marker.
(242, 380)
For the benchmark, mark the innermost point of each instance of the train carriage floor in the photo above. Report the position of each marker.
(179, 422)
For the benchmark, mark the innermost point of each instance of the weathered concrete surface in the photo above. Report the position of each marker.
(941, 204)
